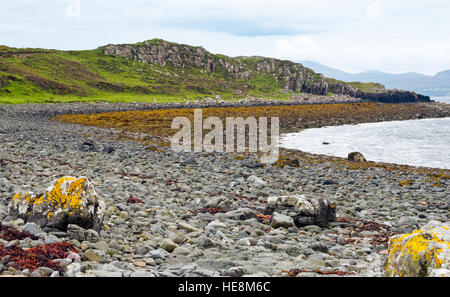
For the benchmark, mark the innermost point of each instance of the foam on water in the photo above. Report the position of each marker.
(414, 142)
(441, 99)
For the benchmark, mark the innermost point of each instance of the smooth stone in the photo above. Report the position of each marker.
(32, 228)
(168, 245)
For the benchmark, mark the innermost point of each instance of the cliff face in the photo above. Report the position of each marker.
(292, 76)
(289, 75)
(380, 95)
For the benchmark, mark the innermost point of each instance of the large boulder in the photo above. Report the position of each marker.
(356, 157)
(304, 209)
(69, 200)
(424, 252)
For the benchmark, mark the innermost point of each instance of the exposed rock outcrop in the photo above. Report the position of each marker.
(291, 76)
(377, 94)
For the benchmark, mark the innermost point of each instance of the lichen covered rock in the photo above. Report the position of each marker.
(305, 210)
(424, 252)
(69, 200)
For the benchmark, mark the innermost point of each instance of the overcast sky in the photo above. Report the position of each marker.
(352, 35)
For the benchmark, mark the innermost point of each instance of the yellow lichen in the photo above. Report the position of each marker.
(415, 245)
(66, 194)
(405, 183)
(49, 215)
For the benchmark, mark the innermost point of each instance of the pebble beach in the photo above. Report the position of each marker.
(204, 214)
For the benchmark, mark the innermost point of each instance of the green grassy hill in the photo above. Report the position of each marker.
(40, 75)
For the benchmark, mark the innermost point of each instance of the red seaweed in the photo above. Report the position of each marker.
(211, 210)
(263, 218)
(10, 233)
(356, 225)
(134, 200)
(293, 272)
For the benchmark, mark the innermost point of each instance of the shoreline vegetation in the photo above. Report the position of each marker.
(153, 127)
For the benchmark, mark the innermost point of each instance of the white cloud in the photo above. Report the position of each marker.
(358, 53)
(298, 46)
(373, 9)
(354, 35)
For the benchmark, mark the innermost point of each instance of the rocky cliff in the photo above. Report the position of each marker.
(159, 70)
(289, 75)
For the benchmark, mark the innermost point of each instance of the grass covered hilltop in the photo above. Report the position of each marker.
(164, 71)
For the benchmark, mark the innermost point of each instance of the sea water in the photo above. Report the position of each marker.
(441, 99)
(413, 142)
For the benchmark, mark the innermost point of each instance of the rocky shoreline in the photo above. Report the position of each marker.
(197, 214)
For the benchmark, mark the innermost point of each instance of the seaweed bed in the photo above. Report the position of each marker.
(153, 127)
(33, 258)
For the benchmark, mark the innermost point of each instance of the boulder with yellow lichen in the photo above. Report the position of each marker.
(69, 200)
(424, 252)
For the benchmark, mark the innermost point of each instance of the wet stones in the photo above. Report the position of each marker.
(209, 242)
(240, 214)
(109, 149)
(87, 147)
(168, 245)
(256, 181)
(304, 210)
(80, 234)
(69, 200)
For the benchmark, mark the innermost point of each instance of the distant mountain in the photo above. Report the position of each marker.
(443, 74)
(437, 85)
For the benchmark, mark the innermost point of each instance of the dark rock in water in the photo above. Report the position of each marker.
(310, 210)
(356, 157)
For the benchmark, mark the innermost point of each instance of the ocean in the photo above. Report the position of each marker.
(414, 142)
(441, 99)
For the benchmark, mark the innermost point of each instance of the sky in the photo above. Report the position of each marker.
(394, 36)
